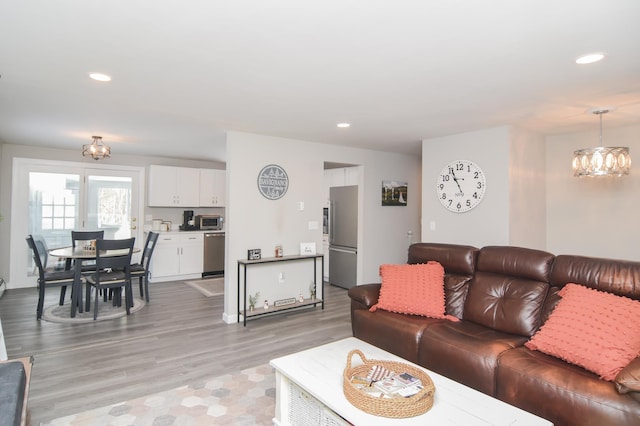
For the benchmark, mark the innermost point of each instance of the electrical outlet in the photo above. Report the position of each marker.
(281, 277)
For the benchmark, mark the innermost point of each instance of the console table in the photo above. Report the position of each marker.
(258, 311)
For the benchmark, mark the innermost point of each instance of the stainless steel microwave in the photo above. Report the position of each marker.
(209, 221)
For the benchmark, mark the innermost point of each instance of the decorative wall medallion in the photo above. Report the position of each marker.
(273, 182)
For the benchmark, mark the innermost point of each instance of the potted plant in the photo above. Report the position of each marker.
(312, 290)
(253, 300)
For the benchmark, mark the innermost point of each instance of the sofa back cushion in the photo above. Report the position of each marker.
(459, 263)
(509, 289)
(620, 277)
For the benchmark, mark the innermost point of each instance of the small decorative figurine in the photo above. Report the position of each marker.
(279, 250)
(266, 304)
(301, 298)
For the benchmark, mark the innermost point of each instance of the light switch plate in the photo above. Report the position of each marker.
(313, 225)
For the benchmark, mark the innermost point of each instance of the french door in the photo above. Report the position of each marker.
(65, 197)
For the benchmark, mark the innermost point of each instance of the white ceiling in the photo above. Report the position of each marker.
(186, 71)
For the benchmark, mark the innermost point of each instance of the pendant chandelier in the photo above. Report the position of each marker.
(96, 149)
(602, 161)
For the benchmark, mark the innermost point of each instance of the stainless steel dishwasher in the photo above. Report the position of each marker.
(213, 253)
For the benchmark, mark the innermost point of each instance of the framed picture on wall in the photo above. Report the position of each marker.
(394, 193)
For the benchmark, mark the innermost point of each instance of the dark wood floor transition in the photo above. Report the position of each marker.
(177, 338)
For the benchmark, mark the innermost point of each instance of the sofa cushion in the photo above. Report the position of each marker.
(595, 330)
(621, 277)
(509, 289)
(456, 259)
(395, 333)
(561, 392)
(506, 303)
(412, 289)
(465, 352)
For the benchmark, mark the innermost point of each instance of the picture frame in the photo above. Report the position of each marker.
(254, 254)
(394, 193)
(307, 249)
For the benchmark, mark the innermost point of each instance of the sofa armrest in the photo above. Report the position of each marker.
(15, 377)
(628, 380)
(365, 295)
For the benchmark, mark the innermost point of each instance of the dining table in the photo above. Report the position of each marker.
(80, 254)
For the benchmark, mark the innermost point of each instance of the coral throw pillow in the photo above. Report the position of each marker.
(596, 330)
(412, 289)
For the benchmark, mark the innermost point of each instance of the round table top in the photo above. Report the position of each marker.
(80, 253)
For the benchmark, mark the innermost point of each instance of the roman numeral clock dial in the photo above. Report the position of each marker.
(460, 186)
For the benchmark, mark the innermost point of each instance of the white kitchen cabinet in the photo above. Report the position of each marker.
(213, 188)
(178, 255)
(174, 186)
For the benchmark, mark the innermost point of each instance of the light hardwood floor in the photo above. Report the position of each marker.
(177, 338)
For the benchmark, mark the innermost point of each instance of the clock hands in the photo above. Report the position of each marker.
(455, 179)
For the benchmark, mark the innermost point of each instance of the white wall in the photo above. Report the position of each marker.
(255, 222)
(593, 216)
(527, 190)
(533, 200)
(486, 224)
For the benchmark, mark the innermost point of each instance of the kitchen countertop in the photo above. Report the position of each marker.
(202, 231)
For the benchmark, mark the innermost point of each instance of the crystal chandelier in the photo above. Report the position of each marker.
(96, 149)
(602, 161)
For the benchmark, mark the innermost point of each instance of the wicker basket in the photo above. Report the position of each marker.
(398, 407)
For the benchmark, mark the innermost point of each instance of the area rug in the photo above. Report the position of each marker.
(242, 398)
(106, 311)
(208, 287)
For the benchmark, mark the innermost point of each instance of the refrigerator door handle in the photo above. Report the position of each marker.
(332, 213)
(342, 250)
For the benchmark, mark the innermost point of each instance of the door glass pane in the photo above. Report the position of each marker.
(109, 205)
(53, 208)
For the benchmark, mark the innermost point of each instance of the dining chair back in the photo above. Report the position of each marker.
(77, 236)
(86, 236)
(113, 272)
(48, 278)
(141, 270)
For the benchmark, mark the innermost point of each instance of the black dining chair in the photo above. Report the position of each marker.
(141, 270)
(78, 236)
(46, 278)
(113, 272)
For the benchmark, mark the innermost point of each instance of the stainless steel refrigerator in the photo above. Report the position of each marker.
(343, 235)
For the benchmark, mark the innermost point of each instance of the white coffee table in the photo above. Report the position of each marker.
(309, 391)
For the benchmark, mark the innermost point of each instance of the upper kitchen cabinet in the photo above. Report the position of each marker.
(213, 188)
(174, 186)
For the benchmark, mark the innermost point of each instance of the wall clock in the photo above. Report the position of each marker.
(460, 186)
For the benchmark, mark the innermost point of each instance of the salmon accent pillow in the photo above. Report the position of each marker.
(413, 289)
(596, 330)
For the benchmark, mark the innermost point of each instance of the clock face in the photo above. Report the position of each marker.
(460, 186)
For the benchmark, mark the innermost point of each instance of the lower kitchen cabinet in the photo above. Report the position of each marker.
(178, 255)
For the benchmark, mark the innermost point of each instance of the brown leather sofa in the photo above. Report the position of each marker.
(503, 295)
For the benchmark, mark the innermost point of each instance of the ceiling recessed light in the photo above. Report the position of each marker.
(99, 77)
(590, 58)
(344, 125)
